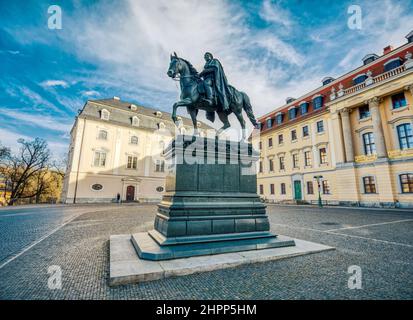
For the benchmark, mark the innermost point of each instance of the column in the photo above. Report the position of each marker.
(409, 88)
(347, 136)
(337, 138)
(377, 127)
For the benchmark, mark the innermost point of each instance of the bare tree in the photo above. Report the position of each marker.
(21, 171)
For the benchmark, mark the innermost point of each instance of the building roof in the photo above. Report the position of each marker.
(345, 81)
(121, 112)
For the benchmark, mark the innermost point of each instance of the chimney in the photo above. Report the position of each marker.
(387, 49)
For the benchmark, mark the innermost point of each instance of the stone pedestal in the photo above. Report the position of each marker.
(210, 204)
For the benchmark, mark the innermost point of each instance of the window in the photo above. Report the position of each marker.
(406, 182)
(135, 121)
(359, 79)
(282, 164)
(260, 145)
(104, 114)
(295, 160)
(320, 126)
(103, 135)
(132, 162)
(305, 131)
(270, 142)
(392, 64)
(317, 102)
(369, 184)
(292, 113)
(279, 118)
(369, 145)
(307, 158)
(405, 134)
(134, 140)
(260, 167)
(261, 189)
(269, 123)
(304, 107)
(160, 166)
(271, 165)
(293, 135)
(272, 191)
(310, 188)
(100, 159)
(398, 100)
(280, 139)
(283, 188)
(326, 187)
(323, 155)
(364, 112)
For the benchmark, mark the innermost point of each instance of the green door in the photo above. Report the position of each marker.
(297, 190)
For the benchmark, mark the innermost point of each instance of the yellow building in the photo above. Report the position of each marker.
(355, 131)
(116, 149)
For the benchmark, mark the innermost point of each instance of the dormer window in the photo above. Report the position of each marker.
(292, 113)
(360, 78)
(317, 101)
(304, 107)
(327, 80)
(370, 58)
(104, 114)
(158, 114)
(279, 118)
(269, 123)
(392, 64)
(133, 107)
(409, 37)
(289, 100)
(135, 121)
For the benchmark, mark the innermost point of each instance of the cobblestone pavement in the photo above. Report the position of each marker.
(379, 241)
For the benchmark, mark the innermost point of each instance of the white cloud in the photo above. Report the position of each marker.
(55, 83)
(38, 120)
(133, 46)
(272, 12)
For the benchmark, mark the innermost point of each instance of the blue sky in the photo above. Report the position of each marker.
(269, 49)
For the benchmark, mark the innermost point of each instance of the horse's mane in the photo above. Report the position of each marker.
(192, 69)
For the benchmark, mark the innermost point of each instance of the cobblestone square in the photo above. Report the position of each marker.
(76, 238)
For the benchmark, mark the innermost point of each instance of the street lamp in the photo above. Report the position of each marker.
(318, 179)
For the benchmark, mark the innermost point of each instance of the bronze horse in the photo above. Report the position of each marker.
(191, 97)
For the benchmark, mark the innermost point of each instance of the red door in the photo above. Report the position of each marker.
(130, 193)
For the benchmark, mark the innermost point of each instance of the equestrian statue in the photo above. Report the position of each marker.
(209, 91)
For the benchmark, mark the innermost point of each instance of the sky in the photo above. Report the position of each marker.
(269, 49)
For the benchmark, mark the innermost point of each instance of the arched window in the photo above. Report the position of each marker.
(102, 135)
(182, 130)
(134, 140)
(135, 121)
(161, 125)
(104, 114)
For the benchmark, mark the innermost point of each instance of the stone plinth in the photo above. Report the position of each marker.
(210, 204)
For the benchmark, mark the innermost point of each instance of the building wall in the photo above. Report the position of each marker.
(114, 177)
(343, 138)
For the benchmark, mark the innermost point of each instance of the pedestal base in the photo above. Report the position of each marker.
(148, 249)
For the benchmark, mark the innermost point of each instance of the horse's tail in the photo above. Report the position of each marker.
(246, 105)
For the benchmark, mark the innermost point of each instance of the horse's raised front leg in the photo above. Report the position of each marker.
(181, 103)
